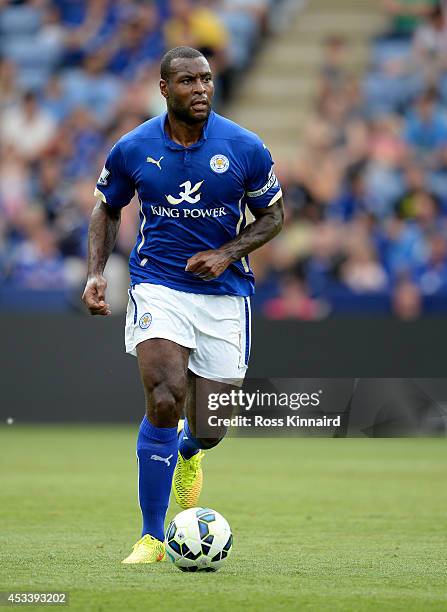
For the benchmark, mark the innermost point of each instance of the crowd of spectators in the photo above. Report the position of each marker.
(366, 199)
(74, 76)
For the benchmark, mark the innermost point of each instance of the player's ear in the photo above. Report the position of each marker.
(164, 88)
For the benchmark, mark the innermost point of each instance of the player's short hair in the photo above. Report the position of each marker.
(176, 53)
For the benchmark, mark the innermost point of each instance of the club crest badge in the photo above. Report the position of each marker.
(145, 320)
(219, 164)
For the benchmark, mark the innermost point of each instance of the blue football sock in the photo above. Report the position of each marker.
(157, 456)
(188, 445)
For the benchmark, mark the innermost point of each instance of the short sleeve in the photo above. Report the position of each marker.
(115, 187)
(262, 187)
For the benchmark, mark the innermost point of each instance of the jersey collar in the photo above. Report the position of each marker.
(178, 147)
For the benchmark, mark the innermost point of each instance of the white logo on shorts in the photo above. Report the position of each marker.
(145, 320)
(166, 460)
(219, 164)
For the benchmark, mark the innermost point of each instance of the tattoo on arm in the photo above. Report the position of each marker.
(267, 225)
(102, 233)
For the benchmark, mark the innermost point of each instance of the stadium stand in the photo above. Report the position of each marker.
(351, 100)
(361, 153)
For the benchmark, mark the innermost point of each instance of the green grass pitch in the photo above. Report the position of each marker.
(319, 524)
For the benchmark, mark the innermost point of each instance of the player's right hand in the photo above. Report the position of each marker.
(94, 296)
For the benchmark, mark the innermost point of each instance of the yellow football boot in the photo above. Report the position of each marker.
(146, 550)
(188, 479)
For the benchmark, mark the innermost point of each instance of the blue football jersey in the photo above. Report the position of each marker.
(191, 199)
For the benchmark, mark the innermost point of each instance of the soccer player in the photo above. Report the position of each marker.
(188, 316)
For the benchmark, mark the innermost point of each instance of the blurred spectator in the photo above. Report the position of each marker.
(294, 302)
(406, 15)
(38, 264)
(55, 101)
(15, 179)
(430, 38)
(415, 181)
(333, 72)
(245, 21)
(138, 43)
(10, 92)
(426, 212)
(195, 25)
(361, 271)
(407, 301)
(27, 127)
(83, 140)
(432, 275)
(322, 268)
(405, 248)
(92, 87)
(72, 12)
(36, 261)
(90, 24)
(426, 126)
(49, 187)
(353, 198)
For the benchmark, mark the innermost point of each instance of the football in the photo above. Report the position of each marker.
(198, 539)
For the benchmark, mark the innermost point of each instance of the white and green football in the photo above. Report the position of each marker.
(198, 539)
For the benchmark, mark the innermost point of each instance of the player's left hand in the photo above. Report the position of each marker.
(208, 264)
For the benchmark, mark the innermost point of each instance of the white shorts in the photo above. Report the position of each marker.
(215, 327)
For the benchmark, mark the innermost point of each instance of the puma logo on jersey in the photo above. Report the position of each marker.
(151, 160)
(186, 194)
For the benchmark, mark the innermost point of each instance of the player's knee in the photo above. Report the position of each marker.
(165, 405)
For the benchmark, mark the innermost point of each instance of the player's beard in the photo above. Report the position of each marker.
(184, 113)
